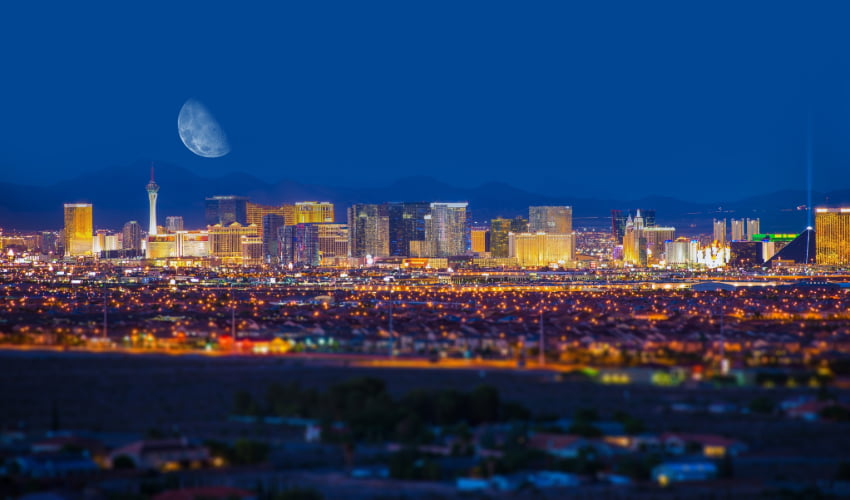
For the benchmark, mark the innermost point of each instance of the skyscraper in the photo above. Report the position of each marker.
(300, 245)
(479, 239)
(131, 237)
(619, 218)
(720, 231)
(174, 223)
(78, 229)
(832, 228)
(542, 249)
(737, 229)
(225, 242)
(313, 211)
(255, 213)
(225, 210)
(368, 230)
(553, 220)
(152, 188)
(499, 241)
(753, 228)
(406, 224)
(271, 223)
(519, 225)
(445, 229)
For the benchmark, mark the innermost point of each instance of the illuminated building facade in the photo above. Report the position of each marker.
(225, 210)
(300, 245)
(620, 217)
(445, 229)
(252, 251)
(174, 223)
(542, 249)
(519, 225)
(753, 228)
(78, 229)
(333, 242)
(554, 220)
(271, 224)
(634, 241)
(256, 212)
(832, 245)
(162, 246)
(720, 232)
(225, 242)
(655, 238)
(681, 252)
(193, 244)
(406, 224)
(479, 238)
(369, 230)
(499, 240)
(313, 212)
(132, 237)
(737, 229)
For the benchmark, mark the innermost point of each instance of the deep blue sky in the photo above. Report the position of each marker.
(691, 99)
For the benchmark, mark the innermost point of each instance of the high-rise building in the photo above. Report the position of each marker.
(406, 224)
(499, 241)
(174, 223)
(479, 239)
(313, 212)
(271, 223)
(620, 217)
(132, 237)
(78, 229)
(634, 241)
(738, 229)
(300, 245)
(832, 245)
(152, 188)
(225, 242)
(252, 251)
(445, 229)
(554, 220)
(681, 252)
(753, 228)
(542, 249)
(655, 238)
(368, 230)
(225, 210)
(333, 244)
(193, 244)
(720, 232)
(256, 212)
(519, 225)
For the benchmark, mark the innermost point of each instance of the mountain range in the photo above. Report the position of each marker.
(118, 195)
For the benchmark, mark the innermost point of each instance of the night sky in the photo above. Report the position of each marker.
(702, 101)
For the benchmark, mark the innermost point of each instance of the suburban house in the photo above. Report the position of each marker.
(569, 446)
(709, 445)
(674, 472)
(164, 454)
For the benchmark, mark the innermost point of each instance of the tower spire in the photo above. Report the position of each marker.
(152, 172)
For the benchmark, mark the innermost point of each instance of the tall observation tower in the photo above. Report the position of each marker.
(152, 188)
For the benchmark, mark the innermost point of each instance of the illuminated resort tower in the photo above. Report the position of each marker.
(152, 189)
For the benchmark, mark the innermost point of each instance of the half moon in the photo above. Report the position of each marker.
(200, 132)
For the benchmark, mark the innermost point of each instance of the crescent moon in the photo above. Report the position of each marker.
(200, 132)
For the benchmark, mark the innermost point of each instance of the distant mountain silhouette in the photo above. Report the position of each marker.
(118, 195)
